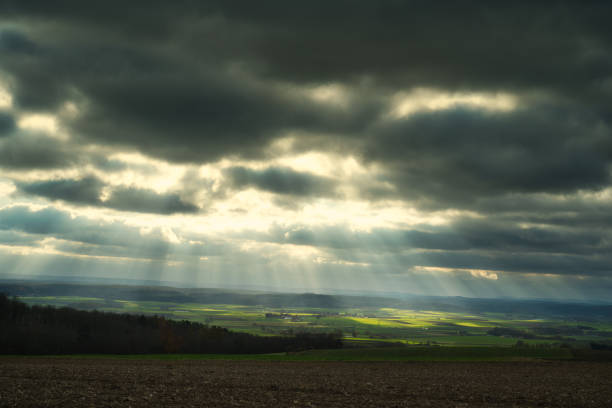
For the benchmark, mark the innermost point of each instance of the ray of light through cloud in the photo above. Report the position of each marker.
(388, 149)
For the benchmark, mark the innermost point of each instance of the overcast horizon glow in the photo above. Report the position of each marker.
(439, 149)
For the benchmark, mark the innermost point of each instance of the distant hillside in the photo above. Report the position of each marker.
(188, 295)
(306, 300)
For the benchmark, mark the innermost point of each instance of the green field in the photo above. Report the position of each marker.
(417, 353)
(365, 326)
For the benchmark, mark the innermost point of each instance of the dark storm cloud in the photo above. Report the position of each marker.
(464, 244)
(143, 200)
(28, 150)
(46, 221)
(451, 158)
(83, 191)
(585, 266)
(204, 81)
(31, 151)
(556, 44)
(563, 264)
(7, 123)
(15, 42)
(508, 237)
(464, 235)
(87, 191)
(176, 94)
(281, 180)
(165, 87)
(575, 211)
(80, 235)
(168, 102)
(552, 44)
(514, 42)
(113, 165)
(15, 239)
(207, 117)
(36, 88)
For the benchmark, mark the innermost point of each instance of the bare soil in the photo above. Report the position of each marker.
(69, 382)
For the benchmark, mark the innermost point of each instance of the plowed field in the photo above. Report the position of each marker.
(69, 382)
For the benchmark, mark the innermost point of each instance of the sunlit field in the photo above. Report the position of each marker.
(360, 327)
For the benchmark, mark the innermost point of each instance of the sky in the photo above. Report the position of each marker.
(437, 148)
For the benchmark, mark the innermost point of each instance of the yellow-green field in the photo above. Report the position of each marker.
(367, 326)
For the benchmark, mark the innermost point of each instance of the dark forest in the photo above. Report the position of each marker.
(49, 330)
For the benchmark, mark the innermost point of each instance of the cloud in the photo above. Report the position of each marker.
(166, 104)
(12, 41)
(450, 158)
(463, 235)
(491, 121)
(13, 238)
(45, 221)
(209, 112)
(81, 235)
(563, 264)
(142, 200)
(469, 244)
(84, 191)
(7, 123)
(31, 151)
(557, 46)
(88, 191)
(281, 180)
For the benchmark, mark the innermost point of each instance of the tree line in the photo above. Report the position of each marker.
(26, 329)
